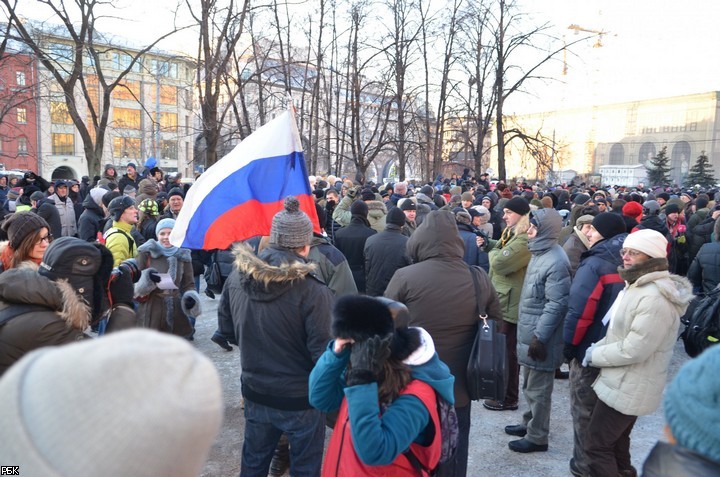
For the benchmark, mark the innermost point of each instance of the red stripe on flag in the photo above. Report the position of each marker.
(250, 219)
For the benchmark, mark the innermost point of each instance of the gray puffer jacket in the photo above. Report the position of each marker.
(544, 297)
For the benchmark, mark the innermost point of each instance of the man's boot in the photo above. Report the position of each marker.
(281, 459)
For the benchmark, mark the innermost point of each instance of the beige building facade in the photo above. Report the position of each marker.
(590, 139)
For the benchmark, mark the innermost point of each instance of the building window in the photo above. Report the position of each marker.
(168, 95)
(647, 152)
(61, 52)
(168, 149)
(168, 122)
(22, 146)
(128, 90)
(59, 113)
(126, 118)
(20, 78)
(121, 61)
(126, 146)
(21, 115)
(63, 144)
(617, 154)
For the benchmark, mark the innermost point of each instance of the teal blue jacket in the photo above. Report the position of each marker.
(379, 436)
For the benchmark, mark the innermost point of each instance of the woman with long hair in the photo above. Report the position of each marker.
(28, 236)
(386, 382)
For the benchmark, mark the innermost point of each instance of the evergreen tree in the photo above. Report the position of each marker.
(658, 169)
(701, 173)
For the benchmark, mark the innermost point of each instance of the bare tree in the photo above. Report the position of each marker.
(77, 21)
(220, 30)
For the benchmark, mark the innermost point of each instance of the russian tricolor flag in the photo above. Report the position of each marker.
(237, 197)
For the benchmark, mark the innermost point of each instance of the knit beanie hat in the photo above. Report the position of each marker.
(647, 241)
(581, 199)
(359, 208)
(467, 196)
(633, 209)
(701, 203)
(97, 195)
(672, 209)
(138, 400)
(609, 224)
(691, 405)
(407, 204)
(149, 207)
(166, 223)
(37, 196)
(291, 227)
(456, 190)
(367, 194)
(395, 216)
(21, 224)
(118, 205)
(176, 191)
(129, 189)
(427, 190)
(518, 205)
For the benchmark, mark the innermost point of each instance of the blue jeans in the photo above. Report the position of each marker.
(264, 426)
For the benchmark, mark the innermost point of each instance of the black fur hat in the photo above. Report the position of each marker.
(360, 317)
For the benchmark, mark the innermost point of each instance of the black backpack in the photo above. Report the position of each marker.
(702, 323)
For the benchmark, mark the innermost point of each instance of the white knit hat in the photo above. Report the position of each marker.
(136, 402)
(647, 241)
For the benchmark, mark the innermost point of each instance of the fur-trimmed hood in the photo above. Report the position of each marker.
(26, 286)
(674, 288)
(271, 273)
(376, 208)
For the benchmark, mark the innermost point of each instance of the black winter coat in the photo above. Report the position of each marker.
(90, 220)
(699, 235)
(47, 210)
(280, 314)
(593, 290)
(350, 241)
(385, 253)
(704, 272)
(125, 181)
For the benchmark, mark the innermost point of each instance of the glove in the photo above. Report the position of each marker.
(121, 288)
(153, 275)
(569, 352)
(189, 302)
(367, 359)
(537, 350)
(587, 360)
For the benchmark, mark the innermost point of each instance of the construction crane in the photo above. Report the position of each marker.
(578, 29)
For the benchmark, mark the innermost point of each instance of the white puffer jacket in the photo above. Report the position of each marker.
(634, 355)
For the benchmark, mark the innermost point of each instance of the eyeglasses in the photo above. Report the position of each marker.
(629, 252)
(48, 238)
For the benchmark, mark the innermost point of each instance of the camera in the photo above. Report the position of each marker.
(129, 266)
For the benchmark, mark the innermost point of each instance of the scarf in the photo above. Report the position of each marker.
(168, 251)
(631, 274)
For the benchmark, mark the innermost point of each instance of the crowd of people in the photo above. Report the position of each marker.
(369, 325)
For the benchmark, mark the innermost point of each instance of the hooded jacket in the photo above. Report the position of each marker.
(47, 210)
(91, 220)
(544, 296)
(376, 213)
(281, 316)
(439, 293)
(593, 291)
(634, 355)
(64, 320)
(378, 437)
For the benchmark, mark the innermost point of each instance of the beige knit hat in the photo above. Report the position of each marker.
(135, 402)
(647, 241)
